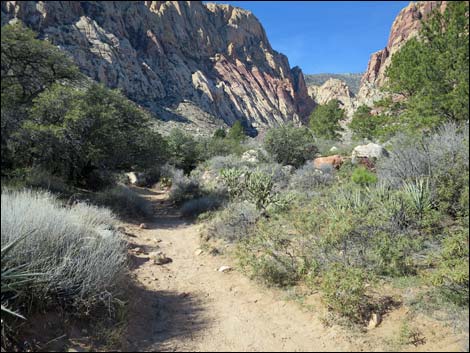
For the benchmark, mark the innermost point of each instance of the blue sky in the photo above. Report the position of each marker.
(322, 36)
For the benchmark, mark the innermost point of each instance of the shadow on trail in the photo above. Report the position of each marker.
(159, 318)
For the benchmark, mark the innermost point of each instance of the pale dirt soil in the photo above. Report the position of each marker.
(187, 305)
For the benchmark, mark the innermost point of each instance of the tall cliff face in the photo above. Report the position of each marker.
(406, 26)
(182, 60)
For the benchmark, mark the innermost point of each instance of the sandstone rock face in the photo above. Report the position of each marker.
(184, 61)
(334, 89)
(406, 26)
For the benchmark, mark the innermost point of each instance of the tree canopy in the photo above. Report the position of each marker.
(324, 120)
(431, 72)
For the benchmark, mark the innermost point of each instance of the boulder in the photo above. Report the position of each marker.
(138, 179)
(224, 269)
(254, 156)
(371, 151)
(334, 161)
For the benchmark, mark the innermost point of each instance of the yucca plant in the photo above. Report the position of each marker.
(13, 277)
(418, 192)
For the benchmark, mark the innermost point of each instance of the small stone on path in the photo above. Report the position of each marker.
(224, 269)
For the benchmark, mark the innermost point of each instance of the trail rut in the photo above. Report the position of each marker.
(187, 305)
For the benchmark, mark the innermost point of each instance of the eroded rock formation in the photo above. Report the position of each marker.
(334, 89)
(182, 60)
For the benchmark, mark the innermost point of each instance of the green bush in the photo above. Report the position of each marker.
(363, 177)
(236, 132)
(74, 133)
(235, 222)
(452, 267)
(220, 133)
(343, 289)
(275, 254)
(53, 119)
(290, 145)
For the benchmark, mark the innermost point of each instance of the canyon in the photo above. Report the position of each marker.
(202, 65)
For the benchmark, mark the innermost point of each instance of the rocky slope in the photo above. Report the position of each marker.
(334, 89)
(185, 61)
(352, 80)
(406, 26)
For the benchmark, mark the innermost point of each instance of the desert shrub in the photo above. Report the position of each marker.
(216, 164)
(452, 267)
(363, 177)
(280, 174)
(307, 179)
(428, 156)
(275, 254)
(79, 255)
(235, 222)
(29, 65)
(253, 186)
(442, 157)
(217, 146)
(343, 290)
(291, 145)
(183, 187)
(124, 202)
(195, 207)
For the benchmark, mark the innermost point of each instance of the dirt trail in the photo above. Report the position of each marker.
(187, 305)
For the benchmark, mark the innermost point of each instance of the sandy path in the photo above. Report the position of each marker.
(189, 306)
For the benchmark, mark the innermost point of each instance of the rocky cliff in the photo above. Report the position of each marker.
(406, 26)
(352, 80)
(182, 60)
(334, 89)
